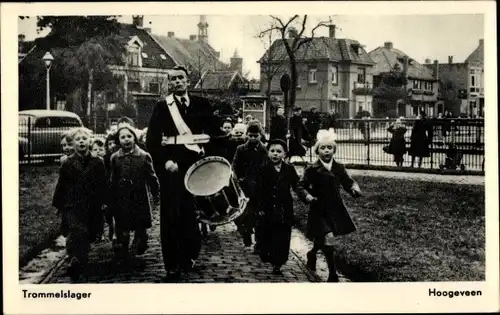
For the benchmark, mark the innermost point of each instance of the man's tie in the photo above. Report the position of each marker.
(183, 104)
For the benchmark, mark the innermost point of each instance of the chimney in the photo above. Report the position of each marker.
(21, 37)
(332, 30)
(481, 42)
(138, 20)
(427, 61)
(388, 45)
(171, 34)
(292, 32)
(435, 70)
(192, 37)
(450, 59)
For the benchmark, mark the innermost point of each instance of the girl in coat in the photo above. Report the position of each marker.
(328, 217)
(275, 207)
(397, 146)
(132, 174)
(80, 193)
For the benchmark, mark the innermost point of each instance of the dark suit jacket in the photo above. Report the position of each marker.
(200, 119)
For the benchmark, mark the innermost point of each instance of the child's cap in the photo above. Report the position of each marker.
(254, 127)
(325, 137)
(240, 127)
(277, 141)
(132, 130)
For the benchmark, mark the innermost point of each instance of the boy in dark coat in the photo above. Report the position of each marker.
(275, 206)
(249, 157)
(132, 174)
(80, 193)
(328, 216)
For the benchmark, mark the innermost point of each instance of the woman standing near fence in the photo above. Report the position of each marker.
(421, 137)
(397, 146)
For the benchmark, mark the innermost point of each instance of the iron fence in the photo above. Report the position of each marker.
(361, 142)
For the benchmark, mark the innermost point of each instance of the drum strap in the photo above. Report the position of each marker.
(180, 124)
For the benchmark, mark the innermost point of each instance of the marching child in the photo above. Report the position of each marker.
(98, 149)
(328, 216)
(238, 133)
(110, 147)
(248, 159)
(276, 217)
(80, 193)
(67, 146)
(132, 174)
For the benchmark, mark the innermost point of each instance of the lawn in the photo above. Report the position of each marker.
(412, 231)
(38, 221)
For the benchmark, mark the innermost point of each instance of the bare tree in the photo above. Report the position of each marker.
(270, 63)
(293, 45)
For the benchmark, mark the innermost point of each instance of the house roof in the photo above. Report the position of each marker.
(218, 80)
(321, 48)
(194, 53)
(387, 59)
(477, 56)
(150, 48)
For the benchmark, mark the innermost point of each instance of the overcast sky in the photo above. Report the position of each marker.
(420, 36)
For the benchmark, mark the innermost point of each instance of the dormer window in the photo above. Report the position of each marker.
(144, 55)
(134, 52)
(162, 56)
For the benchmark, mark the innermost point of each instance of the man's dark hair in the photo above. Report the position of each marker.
(127, 120)
(182, 68)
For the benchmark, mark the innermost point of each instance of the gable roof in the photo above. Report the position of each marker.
(130, 32)
(194, 53)
(477, 56)
(388, 58)
(320, 48)
(219, 80)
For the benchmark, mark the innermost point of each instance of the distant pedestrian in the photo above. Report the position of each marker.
(328, 216)
(397, 145)
(132, 176)
(313, 123)
(421, 137)
(80, 192)
(279, 125)
(297, 132)
(275, 206)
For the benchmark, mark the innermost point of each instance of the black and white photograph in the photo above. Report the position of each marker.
(268, 148)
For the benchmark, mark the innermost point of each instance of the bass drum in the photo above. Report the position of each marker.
(218, 197)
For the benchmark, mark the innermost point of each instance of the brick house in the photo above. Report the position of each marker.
(461, 85)
(421, 81)
(333, 73)
(141, 79)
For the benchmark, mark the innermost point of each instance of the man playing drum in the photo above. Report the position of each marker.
(180, 113)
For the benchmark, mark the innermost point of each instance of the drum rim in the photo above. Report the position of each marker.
(196, 164)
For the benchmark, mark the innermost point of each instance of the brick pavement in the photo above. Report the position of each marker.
(223, 259)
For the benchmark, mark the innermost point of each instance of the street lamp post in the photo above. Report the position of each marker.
(47, 59)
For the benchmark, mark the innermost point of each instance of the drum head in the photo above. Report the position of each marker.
(208, 176)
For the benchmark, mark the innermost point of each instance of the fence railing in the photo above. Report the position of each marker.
(361, 142)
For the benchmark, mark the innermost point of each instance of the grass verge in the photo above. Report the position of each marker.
(38, 220)
(412, 231)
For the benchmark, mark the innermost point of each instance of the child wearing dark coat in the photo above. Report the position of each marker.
(132, 175)
(328, 216)
(248, 159)
(80, 193)
(275, 206)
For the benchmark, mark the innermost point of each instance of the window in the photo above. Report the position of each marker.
(110, 96)
(134, 86)
(144, 55)
(312, 75)
(162, 56)
(361, 75)
(57, 122)
(417, 85)
(154, 87)
(133, 57)
(335, 75)
(360, 105)
(428, 86)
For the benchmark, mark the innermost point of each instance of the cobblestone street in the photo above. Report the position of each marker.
(223, 259)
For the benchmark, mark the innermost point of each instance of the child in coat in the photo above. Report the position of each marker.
(276, 217)
(80, 192)
(248, 159)
(132, 175)
(110, 147)
(66, 146)
(328, 217)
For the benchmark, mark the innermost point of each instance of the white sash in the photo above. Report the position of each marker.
(180, 124)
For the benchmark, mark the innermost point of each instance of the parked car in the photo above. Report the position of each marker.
(40, 132)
